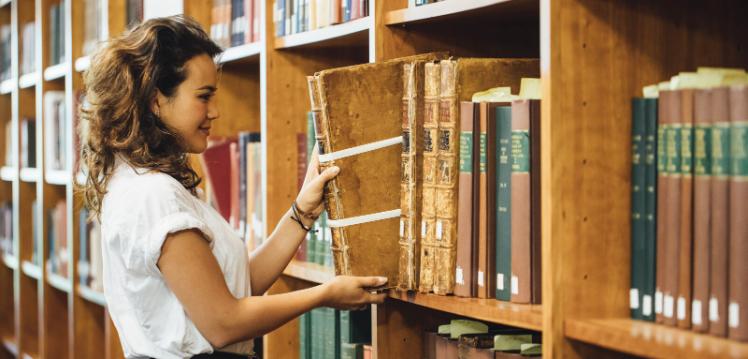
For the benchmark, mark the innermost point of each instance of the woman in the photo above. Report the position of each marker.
(177, 279)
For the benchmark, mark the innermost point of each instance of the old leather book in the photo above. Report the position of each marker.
(662, 188)
(525, 187)
(460, 79)
(719, 212)
(701, 205)
(671, 267)
(738, 291)
(361, 134)
(487, 200)
(467, 210)
(685, 234)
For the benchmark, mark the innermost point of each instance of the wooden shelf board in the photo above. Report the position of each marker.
(10, 345)
(7, 173)
(91, 295)
(31, 270)
(55, 72)
(59, 282)
(3, 3)
(527, 316)
(241, 52)
(82, 63)
(349, 33)
(454, 8)
(28, 80)
(30, 175)
(58, 177)
(310, 272)
(6, 87)
(10, 261)
(648, 339)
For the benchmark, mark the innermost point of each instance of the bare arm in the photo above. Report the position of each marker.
(267, 262)
(192, 273)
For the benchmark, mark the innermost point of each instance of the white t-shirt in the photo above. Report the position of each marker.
(139, 210)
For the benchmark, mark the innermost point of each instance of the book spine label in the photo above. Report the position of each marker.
(738, 291)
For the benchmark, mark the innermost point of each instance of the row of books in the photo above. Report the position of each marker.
(689, 195)
(335, 334)
(233, 169)
(235, 22)
(469, 339)
(28, 142)
(94, 26)
(57, 242)
(28, 48)
(5, 52)
(8, 160)
(419, 108)
(6, 228)
(295, 16)
(133, 12)
(90, 262)
(414, 3)
(57, 33)
(55, 131)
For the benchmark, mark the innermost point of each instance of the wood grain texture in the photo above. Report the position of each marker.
(112, 346)
(652, 340)
(586, 159)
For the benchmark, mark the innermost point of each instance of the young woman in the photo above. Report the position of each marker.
(178, 280)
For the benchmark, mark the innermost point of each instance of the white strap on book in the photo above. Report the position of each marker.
(345, 222)
(348, 152)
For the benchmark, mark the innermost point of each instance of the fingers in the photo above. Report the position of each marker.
(325, 176)
(377, 298)
(371, 281)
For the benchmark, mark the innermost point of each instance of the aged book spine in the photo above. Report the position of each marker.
(466, 211)
(738, 292)
(445, 232)
(486, 195)
(638, 177)
(685, 247)
(719, 212)
(412, 185)
(504, 204)
(535, 198)
(648, 292)
(333, 205)
(701, 203)
(432, 75)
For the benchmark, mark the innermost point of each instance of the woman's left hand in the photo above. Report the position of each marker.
(310, 198)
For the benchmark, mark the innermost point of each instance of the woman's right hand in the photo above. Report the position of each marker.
(350, 293)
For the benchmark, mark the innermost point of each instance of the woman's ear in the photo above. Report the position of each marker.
(156, 103)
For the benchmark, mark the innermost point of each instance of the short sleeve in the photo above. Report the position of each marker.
(153, 208)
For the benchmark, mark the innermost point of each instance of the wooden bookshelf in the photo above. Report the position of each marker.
(352, 33)
(652, 340)
(582, 44)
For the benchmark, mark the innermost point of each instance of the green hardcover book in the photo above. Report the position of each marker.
(510, 342)
(638, 177)
(335, 334)
(304, 339)
(352, 351)
(459, 327)
(531, 349)
(650, 208)
(355, 326)
(504, 203)
(445, 329)
(315, 320)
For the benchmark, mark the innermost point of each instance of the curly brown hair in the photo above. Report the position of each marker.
(120, 85)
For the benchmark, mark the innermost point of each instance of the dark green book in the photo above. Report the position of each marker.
(304, 338)
(352, 351)
(650, 207)
(317, 326)
(638, 230)
(504, 203)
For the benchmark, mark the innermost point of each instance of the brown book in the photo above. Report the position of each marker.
(701, 207)
(525, 207)
(738, 273)
(442, 348)
(429, 345)
(719, 212)
(672, 203)
(460, 79)
(432, 74)
(487, 200)
(685, 238)
(467, 210)
(411, 171)
(364, 186)
(662, 185)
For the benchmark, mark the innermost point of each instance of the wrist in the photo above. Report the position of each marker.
(321, 297)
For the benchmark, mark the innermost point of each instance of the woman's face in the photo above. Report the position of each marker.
(192, 109)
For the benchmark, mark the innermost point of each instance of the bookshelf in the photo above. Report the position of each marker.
(595, 56)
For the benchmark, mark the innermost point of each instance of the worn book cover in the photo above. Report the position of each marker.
(738, 291)
(362, 135)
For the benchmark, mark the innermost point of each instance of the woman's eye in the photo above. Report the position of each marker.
(206, 97)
